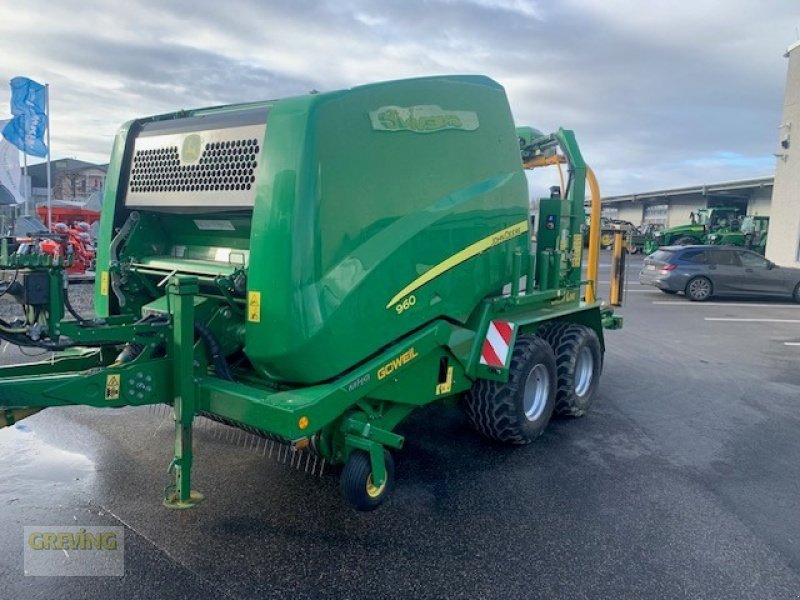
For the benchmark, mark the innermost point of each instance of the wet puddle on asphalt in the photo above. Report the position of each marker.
(30, 464)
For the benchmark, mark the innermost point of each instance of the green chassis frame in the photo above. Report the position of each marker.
(356, 411)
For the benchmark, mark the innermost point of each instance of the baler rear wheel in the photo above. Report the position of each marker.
(579, 361)
(356, 482)
(516, 412)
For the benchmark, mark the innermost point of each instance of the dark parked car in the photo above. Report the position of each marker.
(705, 271)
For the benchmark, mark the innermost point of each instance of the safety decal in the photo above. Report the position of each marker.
(254, 307)
(113, 383)
(497, 344)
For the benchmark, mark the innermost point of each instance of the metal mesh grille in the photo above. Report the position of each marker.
(223, 166)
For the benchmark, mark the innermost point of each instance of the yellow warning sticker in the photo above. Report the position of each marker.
(104, 283)
(113, 383)
(254, 307)
(577, 249)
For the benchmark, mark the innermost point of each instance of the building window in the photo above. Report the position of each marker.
(655, 214)
(610, 212)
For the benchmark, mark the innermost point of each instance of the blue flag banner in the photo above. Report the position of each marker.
(27, 96)
(26, 129)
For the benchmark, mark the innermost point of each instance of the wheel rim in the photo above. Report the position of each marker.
(700, 288)
(537, 391)
(584, 371)
(373, 491)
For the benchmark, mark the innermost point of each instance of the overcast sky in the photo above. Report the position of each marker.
(660, 94)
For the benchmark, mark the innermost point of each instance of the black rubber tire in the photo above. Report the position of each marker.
(670, 292)
(692, 295)
(357, 476)
(497, 410)
(796, 293)
(685, 241)
(568, 340)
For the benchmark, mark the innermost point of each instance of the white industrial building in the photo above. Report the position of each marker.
(783, 245)
(674, 206)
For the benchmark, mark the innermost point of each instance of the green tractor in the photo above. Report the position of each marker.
(635, 238)
(312, 270)
(752, 234)
(641, 236)
(705, 222)
(607, 228)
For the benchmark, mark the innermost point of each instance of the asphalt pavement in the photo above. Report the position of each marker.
(682, 482)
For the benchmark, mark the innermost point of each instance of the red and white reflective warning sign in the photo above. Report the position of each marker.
(497, 344)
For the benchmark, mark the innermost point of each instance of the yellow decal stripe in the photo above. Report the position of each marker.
(459, 257)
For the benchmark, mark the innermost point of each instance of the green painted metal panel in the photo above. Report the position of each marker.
(350, 214)
(360, 196)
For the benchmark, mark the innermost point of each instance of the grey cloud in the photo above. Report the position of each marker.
(175, 73)
(657, 97)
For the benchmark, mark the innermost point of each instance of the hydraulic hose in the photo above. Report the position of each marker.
(122, 234)
(561, 178)
(9, 283)
(214, 351)
(113, 253)
(68, 305)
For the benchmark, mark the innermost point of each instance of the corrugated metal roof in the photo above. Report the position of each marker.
(704, 189)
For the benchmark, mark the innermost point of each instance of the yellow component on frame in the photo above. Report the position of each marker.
(104, 283)
(615, 297)
(447, 385)
(544, 161)
(254, 307)
(594, 237)
(462, 256)
(373, 491)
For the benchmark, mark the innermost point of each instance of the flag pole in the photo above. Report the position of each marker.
(25, 180)
(49, 185)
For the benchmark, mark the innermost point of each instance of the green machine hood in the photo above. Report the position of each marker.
(328, 216)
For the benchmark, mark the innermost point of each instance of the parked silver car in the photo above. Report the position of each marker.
(705, 271)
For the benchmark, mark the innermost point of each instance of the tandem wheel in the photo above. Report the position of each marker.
(579, 361)
(517, 411)
(356, 483)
